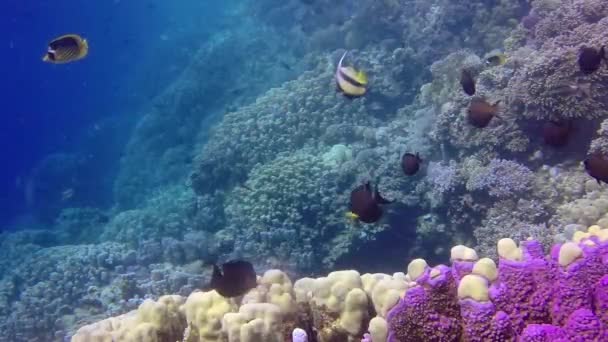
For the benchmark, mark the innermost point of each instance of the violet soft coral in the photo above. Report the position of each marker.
(527, 297)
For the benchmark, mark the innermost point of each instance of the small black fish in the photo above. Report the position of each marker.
(285, 65)
(597, 167)
(467, 82)
(410, 163)
(235, 278)
(556, 133)
(590, 59)
(480, 112)
(365, 203)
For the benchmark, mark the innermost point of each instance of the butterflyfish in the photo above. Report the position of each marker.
(66, 49)
(495, 58)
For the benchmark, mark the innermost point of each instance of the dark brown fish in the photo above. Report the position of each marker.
(556, 133)
(597, 167)
(365, 203)
(235, 278)
(590, 59)
(467, 82)
(410, 163)
(65, 49)
(480, 112)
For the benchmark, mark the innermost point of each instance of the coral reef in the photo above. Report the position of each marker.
(160, 150)
(46, 290)
(286, 208)
(500, 178)
(526, 296)
(270, 183)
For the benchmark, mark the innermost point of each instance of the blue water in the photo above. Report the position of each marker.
(135, 49)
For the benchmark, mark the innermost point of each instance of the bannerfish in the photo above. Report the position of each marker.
(597, 167)
(495, 58)
(410, 163)
(235, 278)
(467, 82)
(350, 81)
(365, 203)
(556, 133)
(590, 59)
(66, 49)
(480, 112)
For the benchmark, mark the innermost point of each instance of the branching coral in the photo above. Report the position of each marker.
(500, 178)
(549, 85)
(512, 218)
(288, 207)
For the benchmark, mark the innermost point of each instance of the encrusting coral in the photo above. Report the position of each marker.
(526, 296)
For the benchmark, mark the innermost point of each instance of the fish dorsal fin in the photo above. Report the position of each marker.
(342, 59)
(379, 199)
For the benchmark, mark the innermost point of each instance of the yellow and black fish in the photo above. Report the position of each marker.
(495, 58)
(65, 49)
(350, 81)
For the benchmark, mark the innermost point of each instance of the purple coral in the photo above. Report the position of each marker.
(501, 178)
(443, 177)
(429, 312)
(560, 297)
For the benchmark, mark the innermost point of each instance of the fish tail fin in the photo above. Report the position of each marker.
(502, 59)
(418, 157)
(352, 216)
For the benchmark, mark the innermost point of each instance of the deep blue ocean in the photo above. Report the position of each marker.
(86, 108)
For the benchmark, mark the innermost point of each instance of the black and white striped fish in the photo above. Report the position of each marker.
(350, 81)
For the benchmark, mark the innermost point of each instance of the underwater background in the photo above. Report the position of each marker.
(198, 132)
